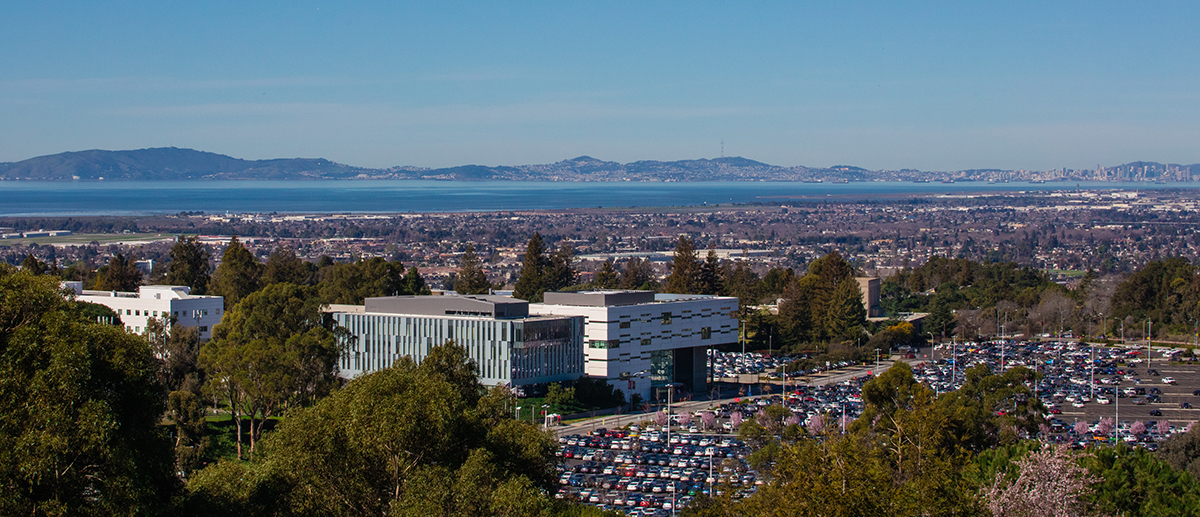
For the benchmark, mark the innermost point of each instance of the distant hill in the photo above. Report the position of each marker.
(169, 163)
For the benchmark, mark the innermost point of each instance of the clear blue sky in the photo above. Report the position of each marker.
(929, 85)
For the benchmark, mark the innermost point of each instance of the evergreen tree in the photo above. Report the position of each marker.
(710, 274)
(845, 315)
(638, 274)
(530, 285)
(413, 283)
(237, 276)
(561, 271)
(121, 274)
(284, 267)
(354, 282)
(471, 279)
(33, 265)
(189, 265)
(685, 269)
(82, 404)
(606, 277)
(268, 353)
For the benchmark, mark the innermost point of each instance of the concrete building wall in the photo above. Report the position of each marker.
(163, 302)
(870, 296)
(621, 340)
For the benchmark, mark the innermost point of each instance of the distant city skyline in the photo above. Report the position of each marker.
(923, 85)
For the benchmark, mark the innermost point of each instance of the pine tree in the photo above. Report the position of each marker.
(845, 315)
(606, 277)
(238, 275)
(189, 265)
(710, 277)
(638, 274)
(530, 285)
(33, 265)
(471, 279)
(414, 284)
(121, 274)
(685, 269)
(561, 271)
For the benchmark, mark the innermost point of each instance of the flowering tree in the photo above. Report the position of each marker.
(770, 423)
(685, 419)
(709, 419)
(1081, 428)
(1049, 483)
(1138, 428)
(816, 424)
(660, 418)
(735, 419)
(1105, 426)
(1044, 429)
(793, 420)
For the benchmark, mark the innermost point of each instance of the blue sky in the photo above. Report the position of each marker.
(929, 85)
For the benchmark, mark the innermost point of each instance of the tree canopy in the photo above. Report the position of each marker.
(408, 440)
(81, 403)
(269, 352)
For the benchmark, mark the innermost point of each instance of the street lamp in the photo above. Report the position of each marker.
(876, 363)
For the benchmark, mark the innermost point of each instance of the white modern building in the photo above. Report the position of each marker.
(166, 302)
(641, 341)
(510, 346)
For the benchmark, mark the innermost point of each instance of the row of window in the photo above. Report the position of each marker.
(154, 314)
(601, 344)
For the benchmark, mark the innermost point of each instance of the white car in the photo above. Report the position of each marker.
(1103, 400)
(1168, 380)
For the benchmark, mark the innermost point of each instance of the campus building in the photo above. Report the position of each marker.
(642, 342)
(165, 302)
(510, 346)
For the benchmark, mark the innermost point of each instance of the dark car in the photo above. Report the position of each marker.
(1155, 412)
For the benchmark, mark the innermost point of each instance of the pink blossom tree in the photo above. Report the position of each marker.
(1081, 428)
(709, 419)
(816, 424)
(1105, 426)
(793, 420)
(735, 419)
(660, 418)
(1049, 483)
(685, 419)
(1138, 428)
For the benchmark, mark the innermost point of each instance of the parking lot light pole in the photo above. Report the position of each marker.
(877, 362)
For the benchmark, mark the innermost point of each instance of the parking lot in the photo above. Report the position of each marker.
(629, 463)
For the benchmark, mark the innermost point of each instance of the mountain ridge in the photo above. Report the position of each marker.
(173, 163)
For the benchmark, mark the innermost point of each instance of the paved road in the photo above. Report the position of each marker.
(614, 421)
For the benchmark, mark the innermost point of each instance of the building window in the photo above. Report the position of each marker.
(204, 328)
(204, 312)
(706, 333)
(666, 318)
(602, 344)
(624, 324)
(129, 312)
(646, 342)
